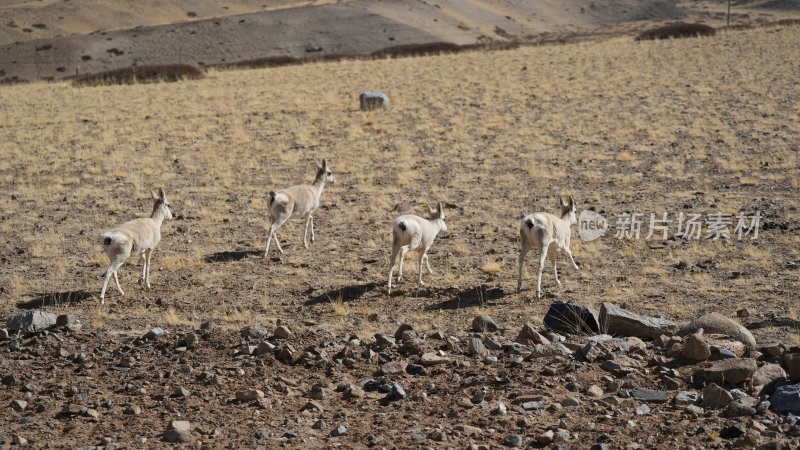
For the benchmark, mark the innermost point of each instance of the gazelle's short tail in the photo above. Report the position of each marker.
(402, 226)
(112, 237)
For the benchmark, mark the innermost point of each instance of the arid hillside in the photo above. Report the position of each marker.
(55, 39)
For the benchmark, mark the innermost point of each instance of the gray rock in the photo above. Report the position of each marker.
(249, 395)
(31, 321)
(178, 437)
(282, 332)
(19, 405)
(68, 321)
(475, 346)
(767, 374)
(432, 359)
(3, 334)
(532, 405)
(394, 367)
(619, 322)
(594, 351)
(686, 398)
(791, 362)
(383, 341)
(341, 430)
(572, 318)
(733, 371)
(695, 348)
(670, 383)
(529, 336)
(180, 425)
(514, 440)
(264, 348)
(715, 397)
(370, 101)
(482, 323)
(737, 409)
(154, 333)
(492, 344)
(545, 438)
(642, 410)
(719, 324)
(469, 430)
(786, 399)
(397, 392)
(570, 402)
(649, 395)
(554, 349)
(398, 334)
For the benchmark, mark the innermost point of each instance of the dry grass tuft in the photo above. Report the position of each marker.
(492, 267)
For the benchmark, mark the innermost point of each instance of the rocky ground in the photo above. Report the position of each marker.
(479, 385)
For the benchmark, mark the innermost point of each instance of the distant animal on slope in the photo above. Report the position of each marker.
(136, 237)
(410, 232)
(297, 201)
(549, 234)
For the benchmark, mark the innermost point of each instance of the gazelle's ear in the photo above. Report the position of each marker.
(161, 194)
(441, 207)
(571, 201)
(324, 163)
(153, 195)
(430, 210)
(561, 201)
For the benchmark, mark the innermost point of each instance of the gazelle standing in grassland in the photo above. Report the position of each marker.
(301, 200)
(410, 232)
(549, 234)
(136, 237)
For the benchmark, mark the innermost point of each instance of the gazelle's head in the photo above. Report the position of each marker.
(160, 204)
(324, 172)
(568, 209)
(437, 214)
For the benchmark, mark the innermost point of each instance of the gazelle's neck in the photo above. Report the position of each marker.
(158, 215)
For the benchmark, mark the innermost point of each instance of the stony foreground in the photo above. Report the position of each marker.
(482, 387)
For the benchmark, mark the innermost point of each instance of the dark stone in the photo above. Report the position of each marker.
(572, 318)
(731, 432)
(650, 395)
(619, 322)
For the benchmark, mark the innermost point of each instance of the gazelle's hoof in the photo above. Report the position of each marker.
(141, 280)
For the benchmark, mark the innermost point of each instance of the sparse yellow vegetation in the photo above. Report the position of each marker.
(637, 127)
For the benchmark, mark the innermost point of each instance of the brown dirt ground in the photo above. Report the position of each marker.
(692, 125)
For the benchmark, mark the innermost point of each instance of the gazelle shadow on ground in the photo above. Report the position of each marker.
(55, 299)
(231, 255)
(347, 293)
(466, 298)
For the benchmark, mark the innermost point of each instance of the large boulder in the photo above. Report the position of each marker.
(572, 318)
(717, 323)
(768, 374)
(732, 371)
(786, 399)
(31, 321)
(792, 364)
(695, 347)
(620, 322)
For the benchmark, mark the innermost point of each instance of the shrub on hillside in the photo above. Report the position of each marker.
(677, 30)
(140, 74)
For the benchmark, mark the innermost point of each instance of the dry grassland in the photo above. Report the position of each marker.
(692, 125)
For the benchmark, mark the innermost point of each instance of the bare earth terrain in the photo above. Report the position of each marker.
(702, 126)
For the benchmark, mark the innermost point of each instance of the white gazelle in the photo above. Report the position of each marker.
(136, 237)
(297, 201)
(548, 234)
(413, 233)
